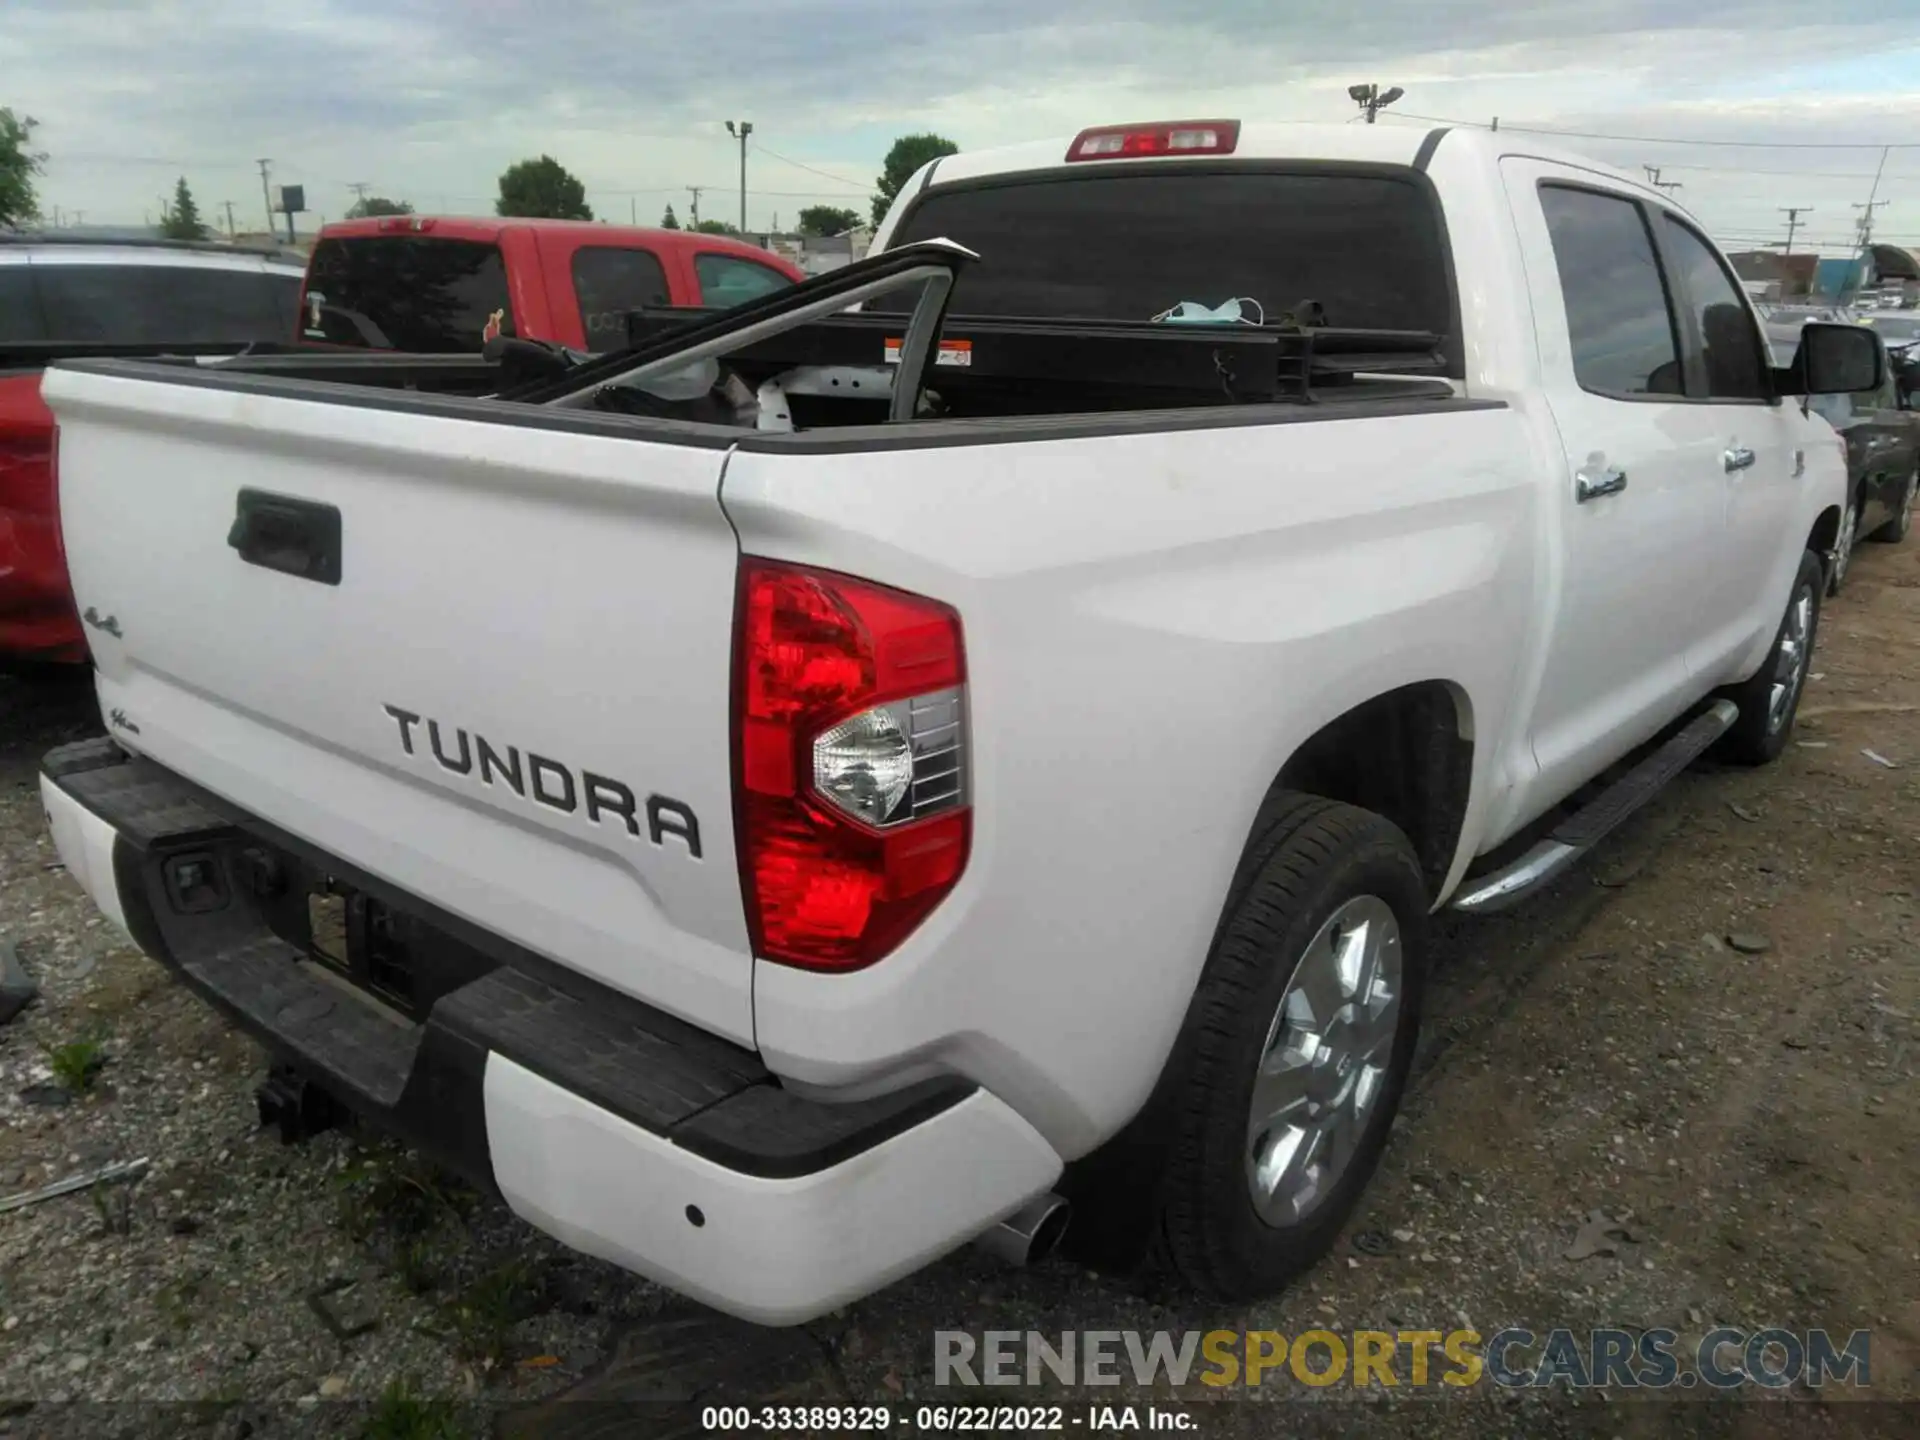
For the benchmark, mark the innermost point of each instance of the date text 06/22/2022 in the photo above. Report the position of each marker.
(946, 1418)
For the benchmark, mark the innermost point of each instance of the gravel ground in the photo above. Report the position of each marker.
(1744, 1106)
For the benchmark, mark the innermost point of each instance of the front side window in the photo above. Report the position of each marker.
(1622, 331)
(610, 281)
(728, 280)
(1736, 363)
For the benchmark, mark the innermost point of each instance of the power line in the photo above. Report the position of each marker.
(1672, 140)
(811, 170)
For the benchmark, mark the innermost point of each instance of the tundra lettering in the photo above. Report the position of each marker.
(553, 783)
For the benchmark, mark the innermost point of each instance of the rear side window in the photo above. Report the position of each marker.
(728, 280)
(1129, 247)
(1623, 334)
(1736, 367)
(610, 282)
(134, 304)
(19, 309)
(415, 293)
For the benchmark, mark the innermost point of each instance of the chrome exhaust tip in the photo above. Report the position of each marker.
(1030, 1233)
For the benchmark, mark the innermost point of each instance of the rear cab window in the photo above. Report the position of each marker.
(611, 280)
(1132, 245)
(422, 294)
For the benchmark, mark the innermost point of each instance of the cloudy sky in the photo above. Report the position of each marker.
(428, 100)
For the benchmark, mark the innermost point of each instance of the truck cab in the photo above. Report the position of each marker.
(434, 285)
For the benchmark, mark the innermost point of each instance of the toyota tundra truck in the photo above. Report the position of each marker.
(966, 746)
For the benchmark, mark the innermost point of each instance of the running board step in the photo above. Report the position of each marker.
(1591, 824)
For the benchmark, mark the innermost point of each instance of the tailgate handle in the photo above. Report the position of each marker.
(282, 532)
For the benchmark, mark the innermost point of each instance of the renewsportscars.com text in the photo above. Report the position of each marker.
(1724, 1358)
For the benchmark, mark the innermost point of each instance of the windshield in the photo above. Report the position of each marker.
(1132, 246)
(405, 292)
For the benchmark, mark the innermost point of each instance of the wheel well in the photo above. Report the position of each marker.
(1825, 533)
(1406, 755)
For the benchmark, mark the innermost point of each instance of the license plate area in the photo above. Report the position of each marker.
(370, 945)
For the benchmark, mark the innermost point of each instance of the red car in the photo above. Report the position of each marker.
(444, 285)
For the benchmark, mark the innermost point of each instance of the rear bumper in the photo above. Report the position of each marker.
(620, 1130)
(37, 619)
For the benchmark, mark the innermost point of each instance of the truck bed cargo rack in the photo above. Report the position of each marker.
(1241, 362)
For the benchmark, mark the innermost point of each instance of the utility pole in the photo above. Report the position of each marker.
(746, 129)
(694, 190)
(1793, 214)
(1653, 179)
(230, 230)
(266, 194)
(633, 210)
(359, 189)
(1372, 99)
(1865, 222)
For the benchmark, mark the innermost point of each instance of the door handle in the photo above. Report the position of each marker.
(1737, 458)
(280, 532)
(1592, 484)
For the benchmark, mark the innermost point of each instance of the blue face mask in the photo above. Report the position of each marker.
(1192, 312)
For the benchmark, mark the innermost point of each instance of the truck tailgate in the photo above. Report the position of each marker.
(512, 700)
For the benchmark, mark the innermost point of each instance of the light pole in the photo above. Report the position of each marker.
(1371, 98)
(742, 132)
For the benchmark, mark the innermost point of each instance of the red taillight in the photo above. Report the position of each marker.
(851, 763)
(1179, 137)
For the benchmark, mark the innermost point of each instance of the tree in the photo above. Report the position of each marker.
(908, 154)
(828, 220)
(542, 189)
(716, 227)
(181, 219)
(372, 205)
(669, 221)
(19, 163)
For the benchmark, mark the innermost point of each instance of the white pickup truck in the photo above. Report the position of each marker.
(851, 775)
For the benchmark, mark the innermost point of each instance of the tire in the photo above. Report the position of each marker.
(1895, 530)
(1844, 541)
(1311, 860)
(1761, 732)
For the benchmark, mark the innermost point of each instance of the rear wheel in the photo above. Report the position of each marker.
(1296, 1047)
(1771, 698)
(1895, 530)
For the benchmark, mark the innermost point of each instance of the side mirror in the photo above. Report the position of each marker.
(1834, 360)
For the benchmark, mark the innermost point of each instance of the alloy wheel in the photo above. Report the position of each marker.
(1325, 1063)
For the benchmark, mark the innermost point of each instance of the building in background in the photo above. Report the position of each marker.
(816, 254)
(1781, 277)
(1896, 273)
